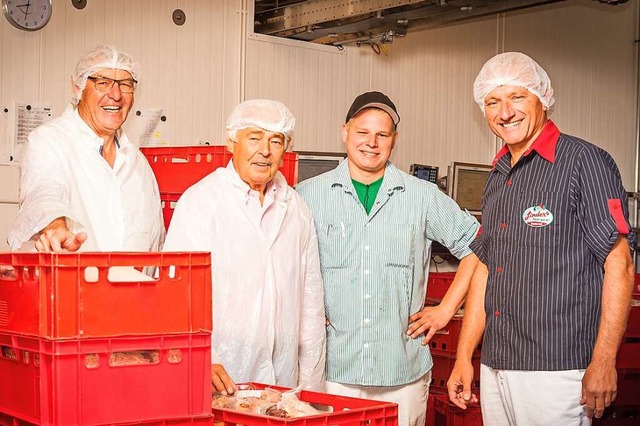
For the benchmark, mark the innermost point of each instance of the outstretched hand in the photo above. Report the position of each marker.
(57, 238)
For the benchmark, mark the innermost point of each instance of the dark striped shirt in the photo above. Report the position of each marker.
(549, 223)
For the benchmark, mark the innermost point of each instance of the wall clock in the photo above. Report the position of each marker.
(29, 15)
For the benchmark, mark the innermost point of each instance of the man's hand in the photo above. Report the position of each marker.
(221, 380)
(459, 384)
(428, 320)
(599, 387)
(57, 238)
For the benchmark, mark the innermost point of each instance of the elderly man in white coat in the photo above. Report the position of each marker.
(83, 184)
(268, 308)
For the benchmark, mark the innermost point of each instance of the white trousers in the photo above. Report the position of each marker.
(411, 398)
(532, 398)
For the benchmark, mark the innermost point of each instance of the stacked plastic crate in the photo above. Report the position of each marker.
(625, 410)
(91, 339)
(178, 167)
(443, 345)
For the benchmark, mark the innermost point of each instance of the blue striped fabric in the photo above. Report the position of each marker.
(374, 269)
(545, 282)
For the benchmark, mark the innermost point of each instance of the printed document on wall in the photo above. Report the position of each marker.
(28, 117)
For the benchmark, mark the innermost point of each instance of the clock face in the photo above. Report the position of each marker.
(27, 15)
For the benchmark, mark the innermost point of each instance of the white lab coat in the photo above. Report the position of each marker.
(62, 174)
(268, 307)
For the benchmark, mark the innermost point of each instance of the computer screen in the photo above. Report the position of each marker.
(311, 164)
(422, 171)
(467, 185)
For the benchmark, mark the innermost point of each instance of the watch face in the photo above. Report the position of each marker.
(28, 15)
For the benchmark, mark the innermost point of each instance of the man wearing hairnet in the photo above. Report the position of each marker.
(268, 306)
(553, 287)
(83, 184)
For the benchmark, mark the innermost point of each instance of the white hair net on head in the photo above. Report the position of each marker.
(99, 58)
(266, 114)
(513, 69)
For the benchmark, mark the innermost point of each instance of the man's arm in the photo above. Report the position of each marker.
(313, 335)
(599, 384)
(432, 319)
(473, 322)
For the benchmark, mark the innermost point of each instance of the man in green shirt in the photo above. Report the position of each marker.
(375, 226)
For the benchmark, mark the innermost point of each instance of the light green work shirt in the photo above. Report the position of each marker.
(375, 267)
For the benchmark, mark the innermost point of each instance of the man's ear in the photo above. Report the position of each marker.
(344, 131)
(230, 145)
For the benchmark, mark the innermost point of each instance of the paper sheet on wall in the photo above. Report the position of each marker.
(6, 145)
(28, 117)
(152, 127)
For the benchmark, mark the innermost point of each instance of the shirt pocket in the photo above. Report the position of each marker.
(334, 240)
(555, 203)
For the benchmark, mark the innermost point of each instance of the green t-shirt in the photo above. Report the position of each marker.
(367, 193)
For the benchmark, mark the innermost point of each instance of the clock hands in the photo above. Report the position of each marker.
(26, 9)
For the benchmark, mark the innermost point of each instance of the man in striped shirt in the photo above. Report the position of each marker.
(554, 282)
(375, 225)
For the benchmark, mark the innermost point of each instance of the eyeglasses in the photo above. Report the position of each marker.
(105, 84)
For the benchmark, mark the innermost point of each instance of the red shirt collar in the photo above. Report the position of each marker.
(544, 145)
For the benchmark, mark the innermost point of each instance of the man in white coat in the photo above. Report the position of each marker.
(268, 308)
(83, 184)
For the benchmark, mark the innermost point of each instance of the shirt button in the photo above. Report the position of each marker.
(367, 320)
(366, 247)
(366, 346)
(497, 313)
(503, 225)
(509, 182)
(499, 269)
(366, 272)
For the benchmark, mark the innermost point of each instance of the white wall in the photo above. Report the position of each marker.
(196, 73)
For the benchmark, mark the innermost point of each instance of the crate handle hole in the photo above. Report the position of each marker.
(179, 160)
(7, 352)
(128, 358)
(174, 356)
(92, 361)
(7, 273)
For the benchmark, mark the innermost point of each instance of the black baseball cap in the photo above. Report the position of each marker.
(373, 100)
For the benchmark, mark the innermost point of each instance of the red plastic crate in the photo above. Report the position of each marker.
(7, 420)
(344, 411)
(619, 416)
(628, 359)
(438, 283)
(442, 367)
(445, 341)
(431, 415)
(54, 295)
(633, 323)
(178, 167)
(628, 393)
(79, 382)
(168, 206)
(448, 414)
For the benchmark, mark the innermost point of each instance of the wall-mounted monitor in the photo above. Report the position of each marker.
(312, 164)
(422, 171)
(466, 183)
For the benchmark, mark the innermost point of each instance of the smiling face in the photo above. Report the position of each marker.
(516, 116)
(257, 155)
(369, 137)
(105, 112)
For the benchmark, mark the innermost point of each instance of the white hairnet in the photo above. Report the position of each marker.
(266, 114)
(513, 69)
(99, 58)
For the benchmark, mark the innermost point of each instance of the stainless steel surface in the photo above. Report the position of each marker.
(337, 22)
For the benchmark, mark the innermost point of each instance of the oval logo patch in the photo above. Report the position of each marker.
(537, 216)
